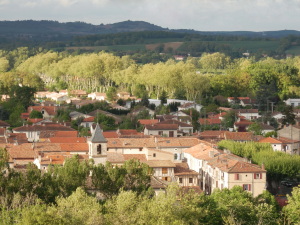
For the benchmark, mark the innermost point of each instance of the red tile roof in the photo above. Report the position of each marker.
(183, 169)
(51, 110)
(110, 134)
(35, 120)
(128, 132)
(210, 121)
(172, 121)
(162, 127)
(147, 122)
(3, 124)
(160, 163)
(238, 136)
(67, 140)
(66, 134)
(74, 147)
(89, 119)
(56, 127)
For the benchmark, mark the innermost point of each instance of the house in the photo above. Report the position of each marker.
(47, 111)
(36, 121)
(293, 102)
(169, 101)
(238, 136)
(169, 130)
(266, 127)
(87, 122)
(137, 111)
(221, 169)
(33, 131)
(249, 114)
(25, 116)
(184, 127)
(77, 93)
(97, 96)
(48, 103)
(207, 121)
(282, 144)
(291, 131)
(123, 95)
(5, 98)
(74, 115)
(4, 125)
(211, 135)
(73, 99)
(12, 138)
(277, 115)
(186, 106)
(80, 103)
(246, 102)
(59, 97)
(179, 57)
(242, 125)
(185, 176)
(232, 100)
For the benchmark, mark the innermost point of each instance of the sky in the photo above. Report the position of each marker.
(202, 15)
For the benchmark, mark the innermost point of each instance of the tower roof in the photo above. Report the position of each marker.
(97, 135)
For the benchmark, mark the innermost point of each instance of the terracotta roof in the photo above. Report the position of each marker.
(89, 119)
(160, 163)
(158, 183)
(243, 167)
(110, 134)
(183, 169)
(147, 122)
(19, 138)
(140, 157)
(56, 127)
(212, 133)
(74, 147)
(2, 131)
(77, 92)
(22, 151)
(162, 127)
(249, 101)
(66, 134)
(210, 121)
(266, 126)
(67, 140)
(128, 132)
(238, 136)
(35, 120)
(3, 124)
(51, 110)
(172, 121)
(243, 122)
(246, 110)
(240, 98)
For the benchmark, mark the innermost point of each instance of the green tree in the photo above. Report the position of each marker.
(289, 116)
(132, 175)
(163, 97)
(292, 209)
(111, 94)
(228, 119)
(143, 114)
(256, 128)
(104, 120)
(62, 85)
(35, 114)
(145, 101)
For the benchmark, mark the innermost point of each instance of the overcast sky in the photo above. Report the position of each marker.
(203, 15)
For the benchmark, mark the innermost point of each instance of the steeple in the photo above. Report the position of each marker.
(98, 146)
(97, 136)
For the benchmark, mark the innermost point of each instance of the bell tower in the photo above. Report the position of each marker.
(98, 146)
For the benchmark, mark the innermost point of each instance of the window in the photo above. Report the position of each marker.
(140, 149)
(38, 133)
(154, 154)
(293, 104)
(221, 187)
(99, 149)
(180, 180)
(258, 176)
(247, 187)
(164, 170)
(160, 133)
(274, 145)
(236, 176)
(190, 180)
(175, 149)
(175, 156)
(217, 184)
(43, 112)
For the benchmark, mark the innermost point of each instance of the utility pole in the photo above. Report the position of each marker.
(292, 139)
(272, 106)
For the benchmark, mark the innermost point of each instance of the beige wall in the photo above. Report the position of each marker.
(159, 155)
(257, 185)
(155, 132)
(186, 181)
(157, 171)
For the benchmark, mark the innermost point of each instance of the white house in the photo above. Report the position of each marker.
(186, 106)
(293, 102)
(59, 97)
(97, 96)
(249, 114)
(277, 115)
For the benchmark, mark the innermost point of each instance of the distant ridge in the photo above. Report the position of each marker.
(52, 28)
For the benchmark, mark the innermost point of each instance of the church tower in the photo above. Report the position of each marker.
(98, 146)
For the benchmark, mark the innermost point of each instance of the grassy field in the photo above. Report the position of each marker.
(293, 50)
(174, 45)
(251, 45)
(89, 48)
(126, 47)
(161, 40)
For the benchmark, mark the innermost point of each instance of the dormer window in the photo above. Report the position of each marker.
(42, 111)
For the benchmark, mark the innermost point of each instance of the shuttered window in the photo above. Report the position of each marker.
(236, 176)
(164, 170)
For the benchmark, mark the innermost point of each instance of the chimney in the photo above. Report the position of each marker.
(263, 166)
(211, 154)
(32, 146)
(226, 166)
(51, 159)
(54, 108)
(268, 122)
(155, 140)
(40, 158)
(228, 152)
